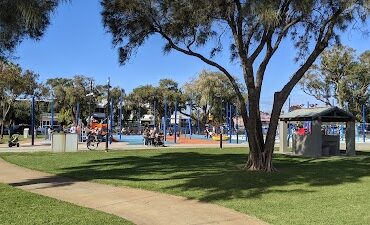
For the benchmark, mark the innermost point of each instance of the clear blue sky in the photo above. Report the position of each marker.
(76, 43)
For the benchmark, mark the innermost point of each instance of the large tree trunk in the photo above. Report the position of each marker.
(2, 121)
(256, 159)
(2, 129)
(260, 156)
(261, 150)
(4, 114)
(74, 114)
(271, 133)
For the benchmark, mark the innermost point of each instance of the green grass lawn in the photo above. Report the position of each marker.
(21, 207)
(21, 139)
(332, 190)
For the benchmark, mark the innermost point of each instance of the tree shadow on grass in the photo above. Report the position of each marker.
(216, 176)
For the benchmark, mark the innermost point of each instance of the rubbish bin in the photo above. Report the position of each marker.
(26, 131)
(58, 142)
(71, 143)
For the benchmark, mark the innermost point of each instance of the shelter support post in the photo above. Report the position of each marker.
(175, 125)
(165, 120)
(350, 138)
(314, 147)
(283, 132)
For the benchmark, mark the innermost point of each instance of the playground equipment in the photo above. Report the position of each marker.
(33, 117)
(218, 138)
(147, 120)
(99, 125)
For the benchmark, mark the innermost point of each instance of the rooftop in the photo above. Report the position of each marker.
(325, 114)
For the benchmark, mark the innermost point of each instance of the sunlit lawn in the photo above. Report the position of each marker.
(332, 190)
(21, 207)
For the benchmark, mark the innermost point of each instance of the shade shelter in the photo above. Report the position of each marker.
(316, 143)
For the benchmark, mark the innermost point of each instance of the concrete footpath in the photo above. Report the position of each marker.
(122, 146)
(135, 205)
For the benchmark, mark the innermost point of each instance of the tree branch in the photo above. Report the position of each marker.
(280, 97)
(260, 46)
(249, 36)
(236, 28)
(317, 97)
(207, 61)
(270, 51)
(269, 31)
(321, 44)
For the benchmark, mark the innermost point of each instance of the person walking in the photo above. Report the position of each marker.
(146, 136)
(151, 136)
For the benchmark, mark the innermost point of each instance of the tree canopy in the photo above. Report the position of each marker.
(21, 19)
(341, 75)
(210, 91)
(15, 83)
(145, 97)
(255, 29)
(69, 92)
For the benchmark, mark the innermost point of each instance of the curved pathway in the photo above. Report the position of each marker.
(138, 206)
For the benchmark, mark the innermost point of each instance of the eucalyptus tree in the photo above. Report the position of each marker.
(21, 19)
(139, 98)
(255, 30)
(170, 93)
(166, 92)
(357, 92)
(327, 79)
(340, 75)
(210, 91)
(70, 92)
(14, 83)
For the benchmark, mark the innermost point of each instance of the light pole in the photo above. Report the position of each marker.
(33, 120)
(364, 123)
(230, 121)
(120, 112)
(175, 126)
(237, 124)
(52, 110)
(190, 113)
(90, 95)
(111, 120)
(52, 116)
(165, 119)
(139, 119)
(107, 116)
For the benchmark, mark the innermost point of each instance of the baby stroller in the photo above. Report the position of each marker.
(14, 140)
(159, 140)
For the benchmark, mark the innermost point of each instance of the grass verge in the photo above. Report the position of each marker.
(333, 190)
(21, 207)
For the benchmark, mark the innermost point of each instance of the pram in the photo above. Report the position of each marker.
(159, 140)
(14, 140)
